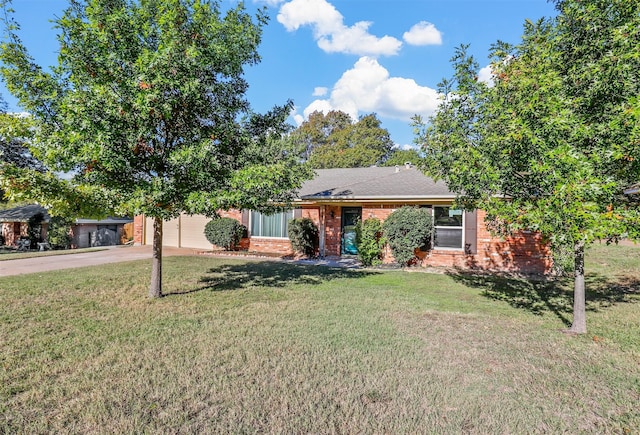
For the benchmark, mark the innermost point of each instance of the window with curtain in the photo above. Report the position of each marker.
(448, 227)
(273, 225)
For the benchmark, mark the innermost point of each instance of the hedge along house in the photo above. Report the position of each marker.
(337, 198)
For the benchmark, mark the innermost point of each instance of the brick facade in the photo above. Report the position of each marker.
(12, 231)
(138, 230)
(523, 253)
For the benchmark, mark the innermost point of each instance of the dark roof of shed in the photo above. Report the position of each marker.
(380, 183)
(107, 221)
(23, 213)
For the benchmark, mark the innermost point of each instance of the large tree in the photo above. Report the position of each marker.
(147, 108)
(334, 140)
(550, 145)
(399, 157)
(15, 133)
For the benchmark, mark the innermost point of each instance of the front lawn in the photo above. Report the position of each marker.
(244, 346)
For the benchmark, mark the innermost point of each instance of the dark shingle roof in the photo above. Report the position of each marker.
(373, 183)
(108, 221)
(23, 213)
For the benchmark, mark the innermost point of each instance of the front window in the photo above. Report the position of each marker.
(272, 225)
(448, 227)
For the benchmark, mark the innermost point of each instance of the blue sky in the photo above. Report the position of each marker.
(359, 56)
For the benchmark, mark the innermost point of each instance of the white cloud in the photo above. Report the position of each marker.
(330, 31)
(320, 91)
(485, 75)
(423, 33)
(323, 106)
(297, 118)
(367, 87)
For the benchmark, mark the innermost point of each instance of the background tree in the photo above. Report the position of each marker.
(335, 141)
(146, 107)
(316, 131)
(549, 147)
(399, 157)
(15, 131)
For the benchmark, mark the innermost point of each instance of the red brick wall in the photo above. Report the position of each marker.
(525, 252)
(10, 238)
(333, 228)
(269, 245)
(138, 230)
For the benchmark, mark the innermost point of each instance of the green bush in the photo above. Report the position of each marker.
(406, 230)
(58, 233)
(370, 241)
(224, 232)
(35, 229)
(303, 234)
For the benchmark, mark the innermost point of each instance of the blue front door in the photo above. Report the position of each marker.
(350, 218)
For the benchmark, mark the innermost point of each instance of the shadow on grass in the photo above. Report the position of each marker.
(556, 297)
(270, 274)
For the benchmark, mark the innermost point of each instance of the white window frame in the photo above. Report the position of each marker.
(435, 228)
(284, 213)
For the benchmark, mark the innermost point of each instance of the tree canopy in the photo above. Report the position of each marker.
(15, 131)
(334, 140)
(147, 108)
(552, 143)
(399, 157)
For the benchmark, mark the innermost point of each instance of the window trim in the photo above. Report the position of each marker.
(284, 212)
(435, 228)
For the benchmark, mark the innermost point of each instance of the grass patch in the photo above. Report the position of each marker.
(244, 346)
(12, 254)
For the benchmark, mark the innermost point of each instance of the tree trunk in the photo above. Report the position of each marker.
(579, 325)
(155, 289)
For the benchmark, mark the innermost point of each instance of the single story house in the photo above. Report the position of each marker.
(337, 198)
(14, 222)
(85, 232)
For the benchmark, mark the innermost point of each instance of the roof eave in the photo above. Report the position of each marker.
(377, 198)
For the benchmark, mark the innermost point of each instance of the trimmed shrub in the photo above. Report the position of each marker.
(406, 230)
(59, 233)
(303, 234)
(370, 241)
(224, 232)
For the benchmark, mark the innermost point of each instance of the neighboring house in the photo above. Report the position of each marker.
(104, 232)
(15, 222)
(337, 198)
(85, 232)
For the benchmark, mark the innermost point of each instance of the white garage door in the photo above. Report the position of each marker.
(170, 232)
(192, 231)
(148, 231)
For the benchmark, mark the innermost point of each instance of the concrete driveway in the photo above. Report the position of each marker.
(113, 254)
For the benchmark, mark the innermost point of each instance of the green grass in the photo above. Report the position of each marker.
(242, 346)
(11, 254)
